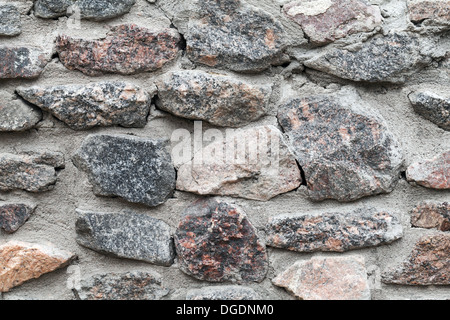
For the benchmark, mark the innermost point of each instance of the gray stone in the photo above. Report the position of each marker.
(49, 9)
(135, 169)
(22, 62)
(128, 235)
(223, 293)
(433, 107)
(13, 216)
(16, 115)
(10, 24)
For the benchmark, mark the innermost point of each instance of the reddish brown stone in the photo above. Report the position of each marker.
(434, 173)
(428, 264)
(431, 215)
(435, 11)
(216, 242)
(127, 49)
(13, 216)
(21, 62)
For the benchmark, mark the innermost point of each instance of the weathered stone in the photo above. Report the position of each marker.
(389, 58)
(428, 264)
(434, 173)
(220, 100)
(431, 215)
(21, 62)
(10, 24)
(344, 148)
(326, 278)
(136, 285)
(434, 12)
(337, 232)
(223, 293)
(13, 216)
(50, 9)
(33, 172)
(324, 21)
(16, 115)
(130, 235)
(259, 168)
(433, 107)
(216, 242)
(100, 104)
(21, 261)
(127, 49)
(135, 169)
(234, 35)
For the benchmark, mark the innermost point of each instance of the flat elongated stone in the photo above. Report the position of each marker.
(326, 278)
(428, 264)
(382, 59)
(216, 242)
(433, 173)
(127, 49)
(50, 9)
(234, 35)
(34, 172)
(344, 148)
(265, 169)
(433, 107)
(430, 215)
(135, 169)
(220, 100)
(223, 293)
(324, 21)
(435, 12)
(100, 104)
(10, 24)
(130, 235)
(16, 115)
(21, 62)
(337, 232)
(22, 261)
(13, 216)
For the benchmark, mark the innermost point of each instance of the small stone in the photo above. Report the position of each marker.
(135, 169)
(127, 49)
(434, 173)
(220, 100)
(136, 285)
(50, 9)
(259, 168)
(326, 278)
(16, 115)
(234, 35)
(223, 293)
(382, 59)
(10, 24)
(342, 145)
(21, 62)
(101, 104)
(130, 235)
(431, 215)
(428, 264)
(324, 21)
(216, 242)
(21, 261)
(33, 172)
(338, 232)
(13, 216)
(432, 107)
(435, 12)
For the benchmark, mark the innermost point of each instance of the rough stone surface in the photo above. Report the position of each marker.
(234, 35)
(135, 285)
(21, 62)
(337, 232)
(100, 104)
(16, 115)
(50, 9)
(127, 49)
(324, 21)
(216, 242)
(223, 293)
(434, 173)
(433, 107)
(130, 235)
(389, 58)
(326, 278)
(430, 215)
(13, 216)
(267, 171)
(434, 12)
(344, 148)
(10, 24)
(135, 169)
(33, 172)
(22, 261)
(220, 100)
(428, 264)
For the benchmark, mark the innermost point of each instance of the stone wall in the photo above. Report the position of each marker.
(116, 123)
